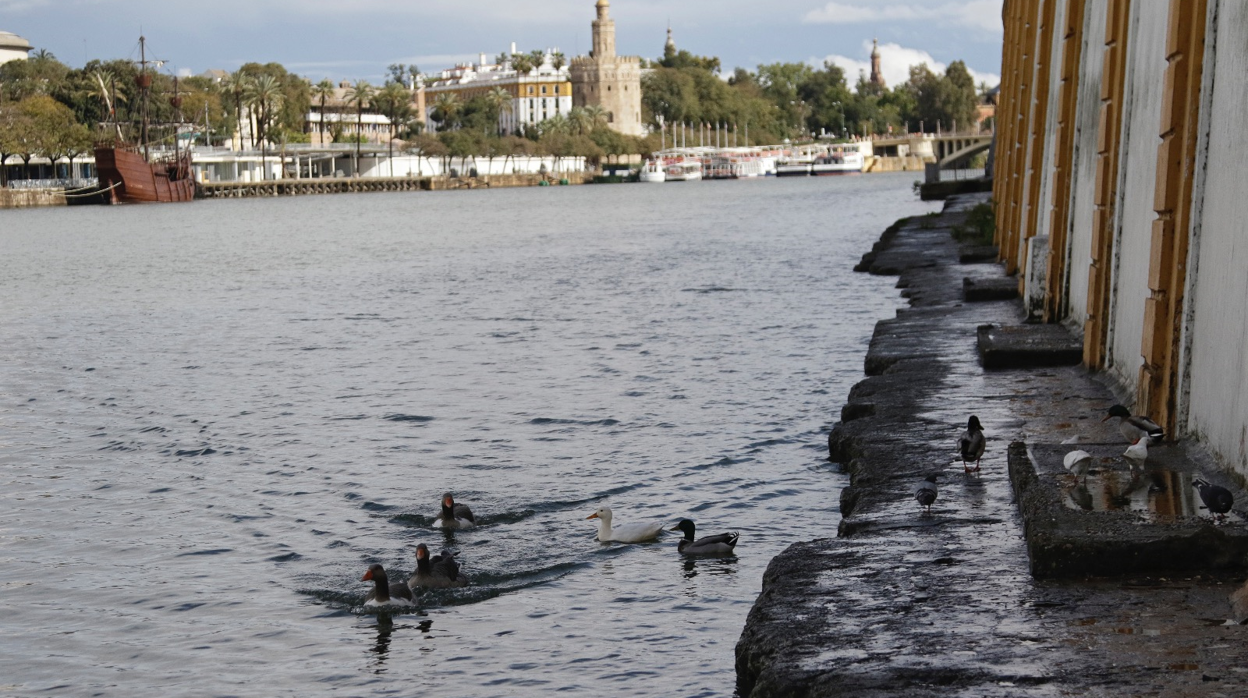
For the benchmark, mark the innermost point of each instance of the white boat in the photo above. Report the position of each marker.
(684, 170)
(793, 167)
(842, 159)
(653, 172)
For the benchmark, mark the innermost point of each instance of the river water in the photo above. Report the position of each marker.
(215, 416)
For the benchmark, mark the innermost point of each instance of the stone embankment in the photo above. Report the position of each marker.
(903, 603)
(332, 185)
(31, 198)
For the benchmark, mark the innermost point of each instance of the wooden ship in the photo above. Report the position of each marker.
(128, 174)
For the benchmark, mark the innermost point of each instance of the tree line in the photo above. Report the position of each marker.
(48, 109)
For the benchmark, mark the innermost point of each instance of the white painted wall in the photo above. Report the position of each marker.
(1146, 65)
(1044, 214)
(1083, 186)
(1217, 331)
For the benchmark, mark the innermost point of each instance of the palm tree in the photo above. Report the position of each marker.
(596, 116)
(502, 59)
(579, 121)
(396, 103)
(499, 101)
(538, 57)
(445, 107)
(236, 84)
(266, 96)
(323, 91)
(522, 63)
(557, 61)
(359, 94)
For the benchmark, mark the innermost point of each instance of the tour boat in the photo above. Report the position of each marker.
(793, 167)
(841, 160)
(652, 172)
(684, 170)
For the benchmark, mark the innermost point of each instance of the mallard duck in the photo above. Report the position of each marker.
(722, 544)
(1136, 427)
(926, 493)
(454, 516)
(628, 533)
(1078, 463)
(972, 444)
(1217, 499)
(1137, 453)
(438, 572)
(384, 593)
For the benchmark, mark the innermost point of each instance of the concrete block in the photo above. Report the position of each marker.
(1027, 346)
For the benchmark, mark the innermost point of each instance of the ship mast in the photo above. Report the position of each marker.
(144, 81)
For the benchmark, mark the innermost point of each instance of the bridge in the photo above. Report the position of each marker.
(951, 150)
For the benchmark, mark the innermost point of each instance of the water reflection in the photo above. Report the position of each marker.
(1157, 492)
(381, 647)
(710, 564)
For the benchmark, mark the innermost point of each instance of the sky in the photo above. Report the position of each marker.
(357, 39)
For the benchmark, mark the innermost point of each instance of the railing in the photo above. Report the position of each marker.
(66, 184)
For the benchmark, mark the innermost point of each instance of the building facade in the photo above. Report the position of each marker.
(609, 81)
(13, 47)
(339, 117)
(1120, 203)
(533, 97)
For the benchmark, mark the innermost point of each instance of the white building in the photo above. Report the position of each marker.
(536, 96)
(13, 47)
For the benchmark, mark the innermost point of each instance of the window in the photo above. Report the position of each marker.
(543, 89)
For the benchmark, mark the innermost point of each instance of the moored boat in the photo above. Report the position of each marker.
(684, 170)
(652, 172)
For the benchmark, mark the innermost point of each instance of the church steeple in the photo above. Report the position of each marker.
(671, 43)
(877, 77)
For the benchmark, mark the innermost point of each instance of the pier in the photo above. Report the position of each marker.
(360, 185)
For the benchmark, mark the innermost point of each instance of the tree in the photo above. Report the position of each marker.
(237, 84)
(360, 94)
(538, 57)
(500, 102)
(323, 91)
(395, 102)
(557, 60)
(445, 107)
(522, 63)
(265, 97)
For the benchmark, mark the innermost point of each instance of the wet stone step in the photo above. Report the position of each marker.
(981, 290)
(1027, 346)
(1122, 519)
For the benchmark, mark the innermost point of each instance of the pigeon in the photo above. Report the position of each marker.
(1218, 500)
(972, 444)
(1137, 453)
(925, 495)
(1136, 427)
(1078, 463)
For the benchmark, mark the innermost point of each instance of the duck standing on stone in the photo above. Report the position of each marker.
(438, 572)
(1136, 427)
(1218, 500)
(972, 444)
(925, 495)
(722, 544)
(1078, 463)
(454, 516)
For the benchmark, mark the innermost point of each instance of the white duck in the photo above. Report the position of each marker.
(1137, 453)
(628, 533)
(1078, 463)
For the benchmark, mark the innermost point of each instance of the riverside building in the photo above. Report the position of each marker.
(532, 97)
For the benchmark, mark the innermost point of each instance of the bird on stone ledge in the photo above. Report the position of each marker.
(1137, 453)
(925, 495)
(1078, 463)
(1218, 500)
(1136, 427)
(972, 444)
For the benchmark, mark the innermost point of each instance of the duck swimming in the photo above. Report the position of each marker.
(438, 572)
(628, 533)
(722, 544)
(454, 516)
(1136, 427)
(384, 593)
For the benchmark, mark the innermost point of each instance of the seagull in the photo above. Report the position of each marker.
(1078, 463)
(1137, 453)
(925, 495)
(972, 444)
(1218, 500)
(1136, 427)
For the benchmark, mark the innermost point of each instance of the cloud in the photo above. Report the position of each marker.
(978, 14)
(895, 62)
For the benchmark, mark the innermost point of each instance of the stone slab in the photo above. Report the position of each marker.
(978, 254)
(991, 289)
(1122, 520)
(1027, 346)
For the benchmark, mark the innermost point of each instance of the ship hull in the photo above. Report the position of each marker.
(128, 178)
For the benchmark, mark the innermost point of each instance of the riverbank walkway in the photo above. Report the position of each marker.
(907, 604)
